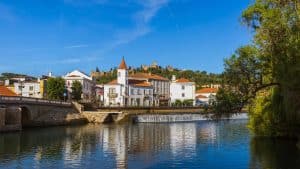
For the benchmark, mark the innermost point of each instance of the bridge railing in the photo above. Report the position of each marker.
(17, 99)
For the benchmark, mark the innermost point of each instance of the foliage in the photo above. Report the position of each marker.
(76, 90)
(188, 102)
(227, 102)
(266, 74)
(56, 88)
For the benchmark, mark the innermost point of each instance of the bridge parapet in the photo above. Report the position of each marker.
(29, 100)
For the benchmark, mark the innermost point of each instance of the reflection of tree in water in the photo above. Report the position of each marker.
(274, 154)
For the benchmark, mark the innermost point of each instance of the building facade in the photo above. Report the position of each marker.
(206, 95)
(28, 89)
(161, 87)
(182, 89)
(86, 82)
(125, 91)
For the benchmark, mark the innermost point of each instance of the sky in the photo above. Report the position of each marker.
(39, 36)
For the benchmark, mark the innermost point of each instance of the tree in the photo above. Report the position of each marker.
(76, 90)
(56, 88)
(266, 74)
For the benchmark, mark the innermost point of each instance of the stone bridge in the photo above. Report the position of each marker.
(19, 112)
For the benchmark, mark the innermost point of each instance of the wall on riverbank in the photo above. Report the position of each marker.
(10, 119)
(97, 117)
(57, 116)
(2, 117)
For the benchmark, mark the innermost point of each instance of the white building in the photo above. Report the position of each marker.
(86, 82)
(182, 89)
(127, 92)
(28, 89)
(161, 87)
(206, 95)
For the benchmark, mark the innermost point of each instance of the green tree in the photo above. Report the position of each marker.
(76, 90)
(266, 74)
(56, 88)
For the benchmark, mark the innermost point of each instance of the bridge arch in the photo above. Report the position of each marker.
(25, 116)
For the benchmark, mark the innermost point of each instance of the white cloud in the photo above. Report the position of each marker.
(142, 19)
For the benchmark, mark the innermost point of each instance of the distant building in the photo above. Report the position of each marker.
(206, 95)
(125, 91)
(99, 92)
(161, 87)
(182, 89)
(86, 82)
(28, 89)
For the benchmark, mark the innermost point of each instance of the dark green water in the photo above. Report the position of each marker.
(206, 144)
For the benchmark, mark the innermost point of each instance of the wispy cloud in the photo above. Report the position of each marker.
(142, 19)
(76, 46)
(6, 13)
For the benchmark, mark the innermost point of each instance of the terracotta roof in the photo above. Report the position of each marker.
(4, 91)
(148, 76)
(123, 64)
(201, 97)
(182, 80)
(143, 84)
(114, 82)
(207, 90)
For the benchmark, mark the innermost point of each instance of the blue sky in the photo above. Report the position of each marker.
(38, 36)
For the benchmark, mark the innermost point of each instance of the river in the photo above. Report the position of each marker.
(206, 144)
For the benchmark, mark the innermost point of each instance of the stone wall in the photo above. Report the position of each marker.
(97, 117)
(2, 117)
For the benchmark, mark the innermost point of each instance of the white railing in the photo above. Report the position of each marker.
(17, 99)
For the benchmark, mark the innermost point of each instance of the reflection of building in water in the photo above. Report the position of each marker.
(73, 150)
(183, 137)
(114, 140)
(208, 132)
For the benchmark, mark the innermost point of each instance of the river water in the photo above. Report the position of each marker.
(205, 144)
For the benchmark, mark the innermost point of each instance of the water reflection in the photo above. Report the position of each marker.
(272, 153)
(222, 144)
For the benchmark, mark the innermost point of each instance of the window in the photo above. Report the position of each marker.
(119, 74)
(183, 95)
(112, 90)
(182, 87)
(31, 88)
(132, 91)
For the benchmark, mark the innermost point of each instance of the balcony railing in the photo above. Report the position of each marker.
(112, 95)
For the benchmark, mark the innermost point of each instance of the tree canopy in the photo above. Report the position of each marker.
(56, 88)
(76, 90)
(266, 74)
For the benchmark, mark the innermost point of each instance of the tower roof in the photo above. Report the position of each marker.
(123, 64)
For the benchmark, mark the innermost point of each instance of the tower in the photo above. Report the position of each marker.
(123, 81)
(122, 73)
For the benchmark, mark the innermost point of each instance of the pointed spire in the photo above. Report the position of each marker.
(123, 64)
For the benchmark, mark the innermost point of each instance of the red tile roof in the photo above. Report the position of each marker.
(114, 82)
(201, 97)
(148, 76)
(182, 80)
(207, 90)
(4, 91)
(123, 64)
(143, 84)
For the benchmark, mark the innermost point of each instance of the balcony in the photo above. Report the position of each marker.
(112, 95)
